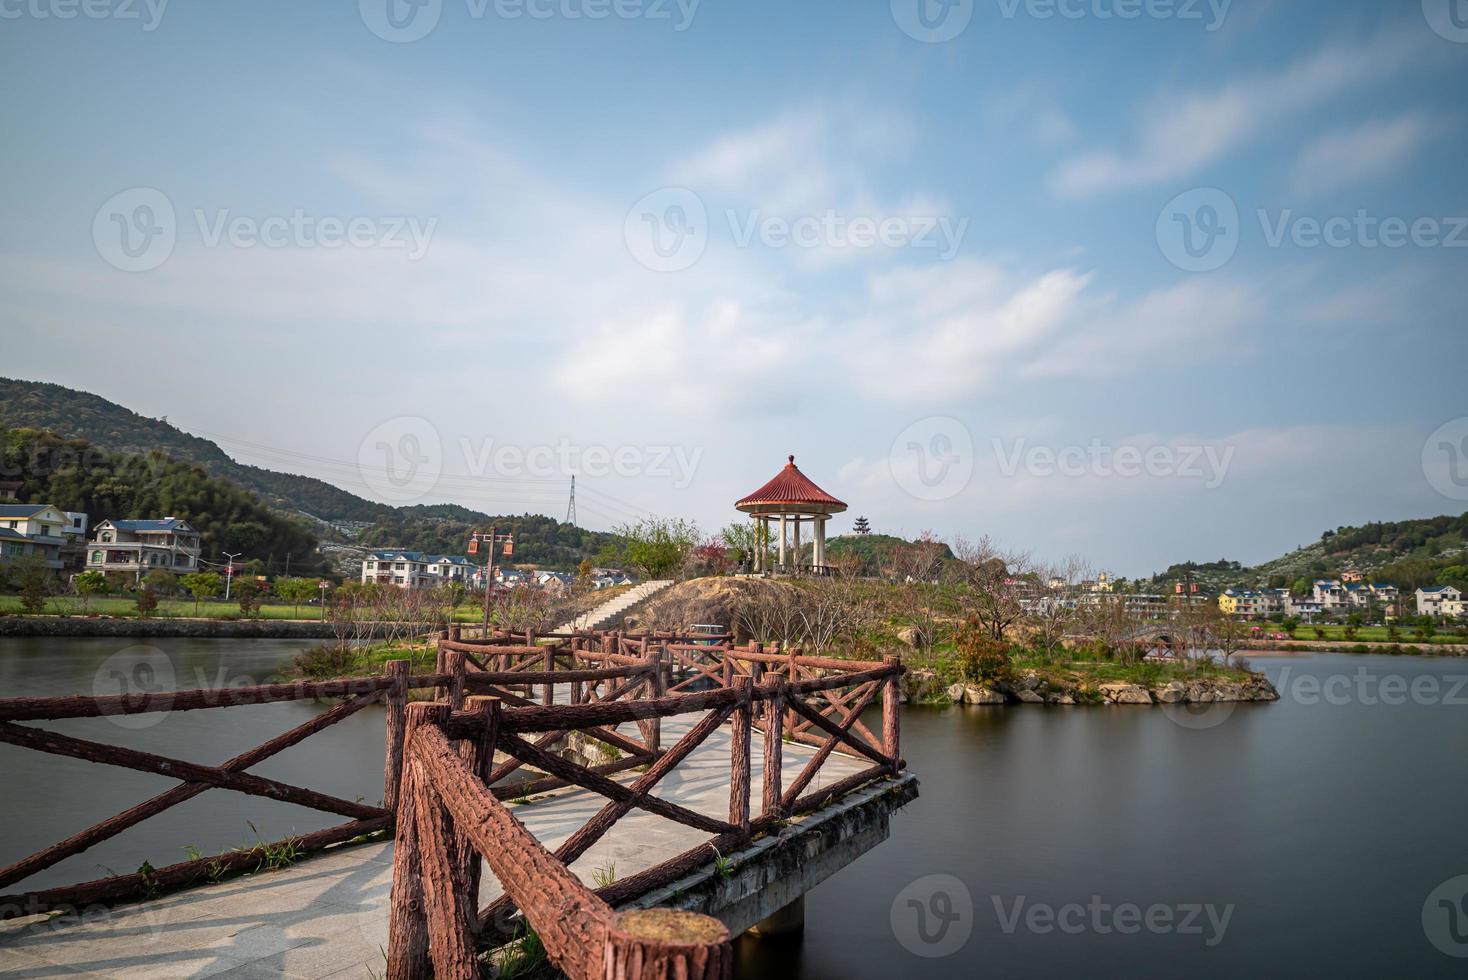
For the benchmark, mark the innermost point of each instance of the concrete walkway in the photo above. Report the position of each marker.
(610, 613)
(327, 917)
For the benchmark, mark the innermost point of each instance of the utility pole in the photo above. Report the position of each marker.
(489, 541)
(571, 507)
(229, 571)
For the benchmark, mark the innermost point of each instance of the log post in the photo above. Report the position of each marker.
(548, 696)
(478, 754)
(892, 714)
(655, 944)
(456, 664)
(396, 698)
(450, 924)
(774, 748)
(439, 667)
(659, 688)
(456, 633)
(739, 765)
(407, 939)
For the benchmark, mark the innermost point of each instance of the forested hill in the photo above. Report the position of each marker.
(82, 415)
(353, 521)
(76, 476)
(1409, 554)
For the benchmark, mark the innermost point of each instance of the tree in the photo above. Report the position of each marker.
(296, 591)
(711, 558)
(202, 585)
(657, 547)
(862, 526)
(1300, 588)
(741, 542)
(33, 586)
(248, 594)
(161, 580)
(991, 581)
(88, 584)
(1290, 624)
(146, 602)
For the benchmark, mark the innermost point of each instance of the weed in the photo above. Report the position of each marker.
(604, 876)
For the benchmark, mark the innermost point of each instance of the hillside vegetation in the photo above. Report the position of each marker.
(75, 475)
(348, 523)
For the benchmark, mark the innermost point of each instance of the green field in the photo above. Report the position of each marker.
(1372, 634)
(184, 609)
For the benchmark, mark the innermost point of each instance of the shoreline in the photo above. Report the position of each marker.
(261, 629)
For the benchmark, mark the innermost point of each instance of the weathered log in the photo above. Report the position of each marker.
(396, 698)
(822, 796)
(571, 922)
(534, 787)
(667, 944)
(774, 748)
(838, 733)
(450, 932)
(613, 712)
(89, 751)
(78, 706)
(892, 714)
(813, 766)
(587, 779)
(739, 762)
(407, 943)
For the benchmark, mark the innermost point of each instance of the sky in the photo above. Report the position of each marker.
(1141, 281)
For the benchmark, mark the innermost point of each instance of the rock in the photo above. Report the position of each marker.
(1064, 698)
(955, 693)
(981, 695)
(1119, 692)
(911, 637)
(1028, 696)
(1173, 692)
(1028, 680)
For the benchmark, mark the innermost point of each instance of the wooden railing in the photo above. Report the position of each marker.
(358, 693)
(456, 814)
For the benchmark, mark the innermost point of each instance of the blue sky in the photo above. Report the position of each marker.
(1030, 311)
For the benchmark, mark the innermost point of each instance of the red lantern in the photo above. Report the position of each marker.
(473, 546)
(509, 548)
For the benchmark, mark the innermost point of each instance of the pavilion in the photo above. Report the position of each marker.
(792, 500)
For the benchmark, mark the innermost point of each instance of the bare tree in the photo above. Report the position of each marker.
(1051, 615)
(993, 583)
(832, 610)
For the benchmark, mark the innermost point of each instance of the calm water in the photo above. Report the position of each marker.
(1314, 828)
(1324, 821)
(48, 797)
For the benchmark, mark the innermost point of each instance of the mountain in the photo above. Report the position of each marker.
(1408, 554)
(346, 524)
(77, 476)
(81, 415)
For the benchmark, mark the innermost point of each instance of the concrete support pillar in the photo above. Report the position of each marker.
(789, 921)
(798, 554)
(820, 541)
(782, 540)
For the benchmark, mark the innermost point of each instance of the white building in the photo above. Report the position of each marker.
(416, 570)
(1440, 600)
(33, 530)
(138, 547)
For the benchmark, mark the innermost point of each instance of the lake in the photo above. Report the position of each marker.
(1302, 836)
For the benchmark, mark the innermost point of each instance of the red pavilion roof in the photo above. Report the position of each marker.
(792, 488)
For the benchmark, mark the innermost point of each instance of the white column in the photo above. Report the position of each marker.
(782, 540)
(820, 541)
(797, 542)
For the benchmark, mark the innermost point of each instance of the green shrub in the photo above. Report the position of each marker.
(981, 659)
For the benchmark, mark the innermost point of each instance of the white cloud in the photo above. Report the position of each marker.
(1353, 154)
(1178, 134)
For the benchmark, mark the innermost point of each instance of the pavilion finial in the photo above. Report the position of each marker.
(792, 459)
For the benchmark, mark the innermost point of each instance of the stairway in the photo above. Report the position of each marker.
(611, 612)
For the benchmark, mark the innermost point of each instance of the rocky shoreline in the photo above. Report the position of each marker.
(1031, 687)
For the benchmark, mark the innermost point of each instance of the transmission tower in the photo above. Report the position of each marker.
(571, 505)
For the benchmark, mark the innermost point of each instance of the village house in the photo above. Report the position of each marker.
(137, 547)
(416, 570)
(1440, 600)
(37, 530)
